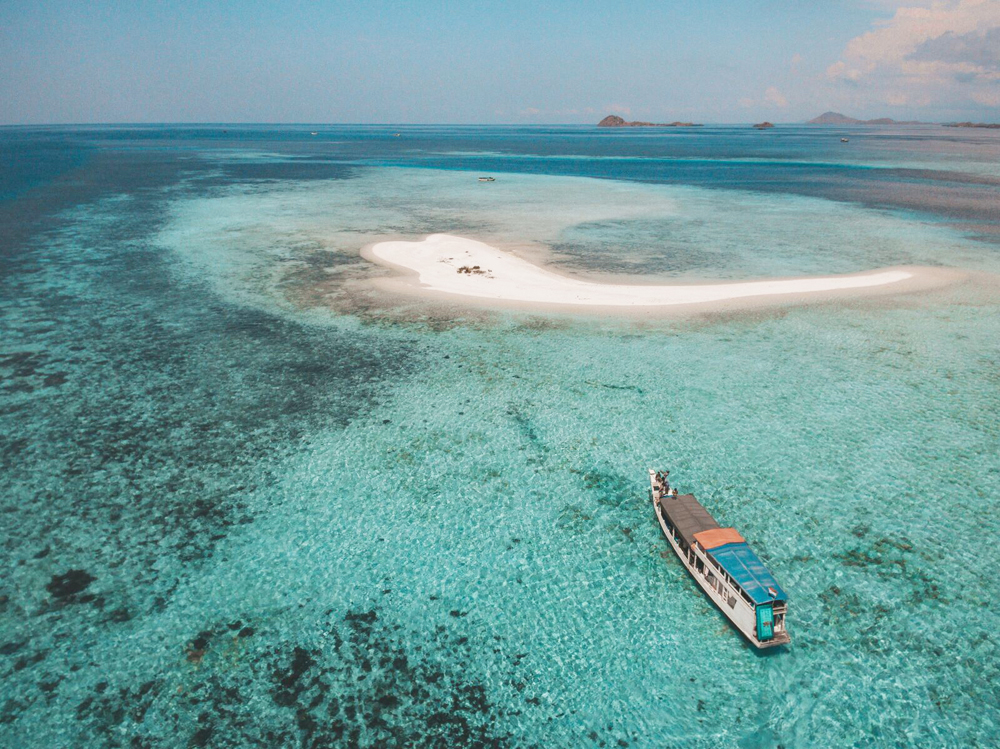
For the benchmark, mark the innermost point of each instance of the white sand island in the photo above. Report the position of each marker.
(443, 266)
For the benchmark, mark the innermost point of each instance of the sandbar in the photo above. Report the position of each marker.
(448, 266)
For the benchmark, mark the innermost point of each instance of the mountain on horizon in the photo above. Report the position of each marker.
(613, 120)
(833, 118)
(836, 118)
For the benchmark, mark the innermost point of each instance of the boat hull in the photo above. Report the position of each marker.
(728, 600)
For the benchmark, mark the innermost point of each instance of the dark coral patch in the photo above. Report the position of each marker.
(288, 679)
(9, 648)
(69, 583)
(54, 380)
(420, 688)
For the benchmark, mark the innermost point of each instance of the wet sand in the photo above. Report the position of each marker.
(451, 268)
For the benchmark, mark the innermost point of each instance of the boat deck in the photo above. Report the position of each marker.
(687, 515)
(722, 564)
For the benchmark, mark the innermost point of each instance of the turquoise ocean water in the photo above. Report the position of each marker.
(248, 502)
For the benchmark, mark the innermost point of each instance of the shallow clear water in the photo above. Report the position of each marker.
(245, 505)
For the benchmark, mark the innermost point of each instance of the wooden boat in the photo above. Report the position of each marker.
(487, 179)
(723, 564)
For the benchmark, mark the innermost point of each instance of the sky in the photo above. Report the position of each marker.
(518, 62)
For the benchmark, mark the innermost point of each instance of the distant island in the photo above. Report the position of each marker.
(836, 118)
(987, 125)
(613, 120)
(764, 125)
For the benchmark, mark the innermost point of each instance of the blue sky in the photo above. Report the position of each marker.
(493, 62)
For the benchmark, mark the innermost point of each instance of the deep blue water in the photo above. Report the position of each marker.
(247, 503)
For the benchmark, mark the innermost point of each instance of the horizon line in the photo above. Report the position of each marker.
(238, 123)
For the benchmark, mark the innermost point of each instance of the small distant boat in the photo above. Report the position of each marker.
(843, 140)
(397, 135)
(723, 564)
(487, 179)
(314, 133)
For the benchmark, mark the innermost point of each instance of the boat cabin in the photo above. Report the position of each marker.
(727, 565)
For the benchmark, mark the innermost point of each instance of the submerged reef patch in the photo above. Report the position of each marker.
(235, 515)
(142, 421)
(368, 681)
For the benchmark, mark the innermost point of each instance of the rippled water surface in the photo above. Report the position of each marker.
(246, 502)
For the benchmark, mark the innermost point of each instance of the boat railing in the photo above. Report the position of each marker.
(711, 567)
(741, 598)
(728, 578)
(708, 562)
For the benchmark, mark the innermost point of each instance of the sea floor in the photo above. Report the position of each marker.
(248, 501)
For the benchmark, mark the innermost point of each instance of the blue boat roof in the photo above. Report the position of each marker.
(748, 571)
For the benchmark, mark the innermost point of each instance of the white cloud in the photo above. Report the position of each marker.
(774, 96)
(944, 51)
(978, 51)
(893, 4)
(840, 70)
(987, 98)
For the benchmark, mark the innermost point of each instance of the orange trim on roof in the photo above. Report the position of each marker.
(718, 537)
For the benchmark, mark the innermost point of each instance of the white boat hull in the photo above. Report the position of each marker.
(725, 597)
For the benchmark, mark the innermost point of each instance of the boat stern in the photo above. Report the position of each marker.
(770, 625)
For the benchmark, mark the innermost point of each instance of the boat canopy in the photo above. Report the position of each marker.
(693, 523)
(687, 516)
(718, 537)
(749, 572)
